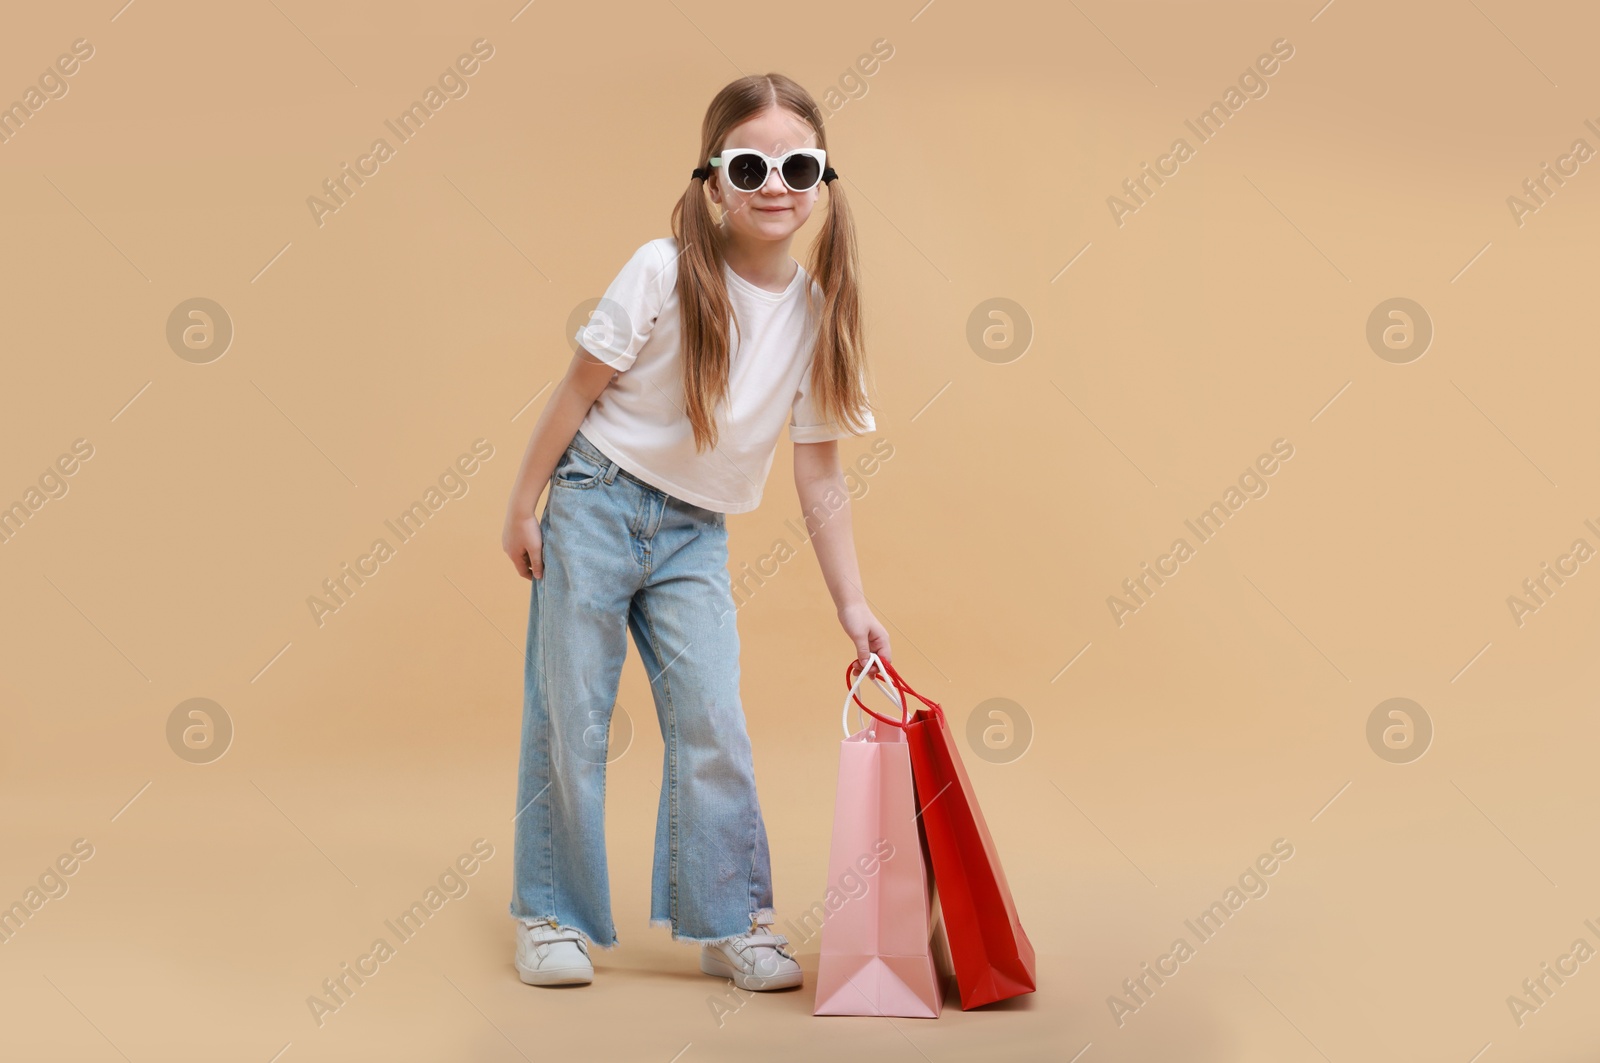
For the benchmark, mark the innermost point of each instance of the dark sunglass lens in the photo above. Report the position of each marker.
(801, 171)
(748, 172)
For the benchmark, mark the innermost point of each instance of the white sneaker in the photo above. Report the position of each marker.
(754, 960)
(551, 954)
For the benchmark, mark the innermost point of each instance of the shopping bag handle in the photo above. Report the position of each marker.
(872, 660)
(901, 686)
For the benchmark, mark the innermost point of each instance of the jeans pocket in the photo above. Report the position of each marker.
(577, 470)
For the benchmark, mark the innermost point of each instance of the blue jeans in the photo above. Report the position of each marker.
(619, 553)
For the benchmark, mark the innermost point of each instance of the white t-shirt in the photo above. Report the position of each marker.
(639, 420)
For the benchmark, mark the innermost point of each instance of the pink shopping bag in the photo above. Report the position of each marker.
(877, 952)
(994, 960)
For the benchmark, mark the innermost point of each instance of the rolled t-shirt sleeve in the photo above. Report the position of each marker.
(622, 321)
(807, 423)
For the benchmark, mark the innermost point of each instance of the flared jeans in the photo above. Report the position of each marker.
(622, 555)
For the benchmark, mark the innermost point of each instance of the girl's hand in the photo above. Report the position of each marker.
(865, 631)
(524, 545)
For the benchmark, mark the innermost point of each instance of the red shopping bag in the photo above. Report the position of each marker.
(877, 957)
(992, 955)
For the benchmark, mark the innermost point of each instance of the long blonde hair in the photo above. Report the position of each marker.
(839, 370)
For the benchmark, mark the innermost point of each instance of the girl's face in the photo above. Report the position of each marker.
(770, 213)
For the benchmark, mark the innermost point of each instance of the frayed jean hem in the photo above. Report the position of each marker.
(712, 940)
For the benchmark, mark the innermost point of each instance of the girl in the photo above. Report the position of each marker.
(704, 346)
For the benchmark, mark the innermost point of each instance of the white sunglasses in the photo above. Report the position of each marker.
(800, 169)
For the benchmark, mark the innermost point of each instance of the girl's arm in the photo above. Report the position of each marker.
(586, 378)
(825, 504)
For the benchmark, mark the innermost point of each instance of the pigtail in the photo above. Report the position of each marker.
(705, 309)
(839, 375)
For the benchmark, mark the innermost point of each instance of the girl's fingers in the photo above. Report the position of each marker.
(529, 558)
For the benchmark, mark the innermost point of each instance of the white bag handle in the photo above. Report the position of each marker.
(894, 695)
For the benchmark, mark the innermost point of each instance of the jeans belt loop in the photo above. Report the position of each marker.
(611, 472)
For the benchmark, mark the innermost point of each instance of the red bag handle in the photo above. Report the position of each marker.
(900, 685)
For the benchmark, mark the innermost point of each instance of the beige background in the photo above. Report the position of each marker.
(1166, 354)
